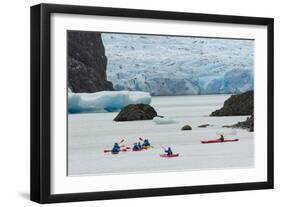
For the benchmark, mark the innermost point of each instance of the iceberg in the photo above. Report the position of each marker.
(105, 101)
(164, 120)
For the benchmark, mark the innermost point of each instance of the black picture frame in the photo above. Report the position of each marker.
(40, 176)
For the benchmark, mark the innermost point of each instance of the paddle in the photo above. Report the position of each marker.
(162, 147)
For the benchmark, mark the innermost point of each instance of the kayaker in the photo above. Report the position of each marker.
(221, 138)
(116, 148)
(139, 145)
(146, 143)
(169, 151)
(136, 147)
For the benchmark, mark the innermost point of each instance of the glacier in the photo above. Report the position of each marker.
(105, 101)
(173, 65)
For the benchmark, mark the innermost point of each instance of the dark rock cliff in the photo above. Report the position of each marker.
(237, 105)
(86, 62)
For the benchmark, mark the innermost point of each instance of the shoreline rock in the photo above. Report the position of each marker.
(247, 124)
(237, 105)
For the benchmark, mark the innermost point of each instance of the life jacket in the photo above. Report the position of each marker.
(136, 147)
(116, 148)
(146, 143)
(139, 146)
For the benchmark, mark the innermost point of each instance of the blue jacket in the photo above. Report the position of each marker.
(136, 147)
(146, 143)
(116, 148)
(139, 145)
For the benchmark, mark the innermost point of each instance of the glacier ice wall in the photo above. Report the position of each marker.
(170, 65)
(105, 101)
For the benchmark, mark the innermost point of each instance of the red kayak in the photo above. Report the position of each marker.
(122, 150)
(136, 150)
(168, 156)
(219, 141)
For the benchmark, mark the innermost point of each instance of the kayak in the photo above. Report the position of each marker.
(219, 141)
(169, 156)
(121, 150)
(143, 148)
(136, 150)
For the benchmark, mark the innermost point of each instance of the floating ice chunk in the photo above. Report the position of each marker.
(105, 101)
(164, 120)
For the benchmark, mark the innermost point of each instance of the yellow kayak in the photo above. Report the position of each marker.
(147, 147)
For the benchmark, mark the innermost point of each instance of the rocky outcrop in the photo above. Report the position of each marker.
(203, 125)
(237, 105)
(247, 124)
(186, 127)
(86, 62)
(134, 112)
